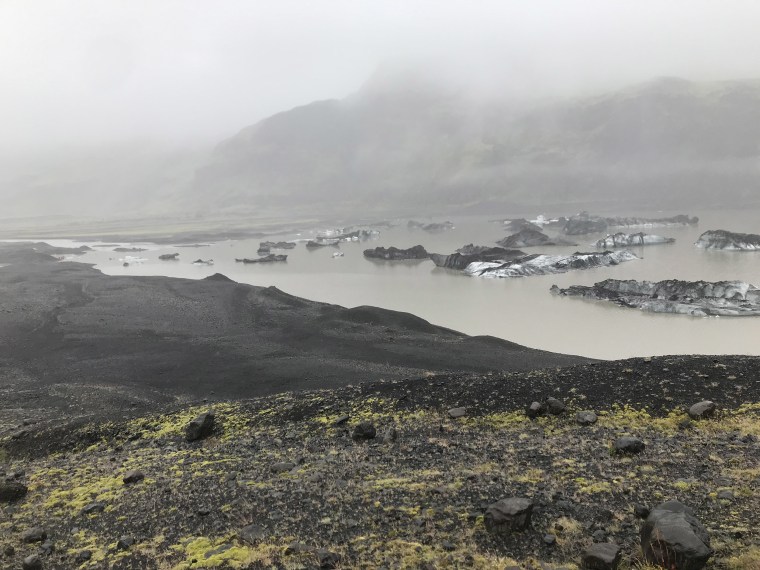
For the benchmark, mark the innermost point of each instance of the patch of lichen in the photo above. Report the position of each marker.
(377, 551)
(205, 552)
(627, 417)
(749, 559)
(231, 418)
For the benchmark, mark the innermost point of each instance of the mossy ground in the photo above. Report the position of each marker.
(413, 502)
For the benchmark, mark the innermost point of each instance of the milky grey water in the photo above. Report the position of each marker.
(521, 310)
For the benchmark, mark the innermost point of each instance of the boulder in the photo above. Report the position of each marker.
(200, 427)
(629, 445)
(133, 476)
(125, 543)
(12, 491)
(252, 533)
(601, 556)
(585, 418)
(535, 409)
(327, 560)
(672, 537)
(554, 406)
(95, 507)
(36, 534)
(364, 431)
(508, 515)
(282, 467)
(457, 412)
(32, 562)
(702, 410)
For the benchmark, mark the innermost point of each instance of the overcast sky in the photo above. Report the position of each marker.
(186, 70)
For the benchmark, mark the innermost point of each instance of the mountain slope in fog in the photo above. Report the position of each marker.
(404, 140)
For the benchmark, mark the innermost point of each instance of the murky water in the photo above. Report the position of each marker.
(521, 310)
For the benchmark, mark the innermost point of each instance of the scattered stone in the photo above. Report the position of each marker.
(585, 418)
(599, 535)
(282, 467)
(448, 546)
(550, 539)
(32, 562)
(47, 548)
(630, 445)
(364, 431)
(457, 412)
(554, 406)
(83, 556)
(133, 476)
(674, 538)
(36, 534)
(327, 559)
(296, 548)
(726, 495)
(640, 511)
(390, 435)
(200, 427)
(341, 420)
(702, 410)
(125, 542)
(252, 534)
(535, 409)
(601, 556)
(96, 507)
(510, 514)
(12, 491)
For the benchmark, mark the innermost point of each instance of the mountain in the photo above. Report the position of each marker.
(403, 140)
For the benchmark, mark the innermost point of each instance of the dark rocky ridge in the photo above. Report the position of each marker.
(695, 298)
(73, 338)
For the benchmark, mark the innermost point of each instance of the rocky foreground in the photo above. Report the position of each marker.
(546, 469)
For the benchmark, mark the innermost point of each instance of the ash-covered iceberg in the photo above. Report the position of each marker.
(532, 238)
(695, 298)
(629, 240)
(732, 241)
(541, 264)
(468, 254)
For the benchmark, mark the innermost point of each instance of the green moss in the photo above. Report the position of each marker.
(204, 552)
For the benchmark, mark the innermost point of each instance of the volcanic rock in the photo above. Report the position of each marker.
(507, 515)
(672, 537)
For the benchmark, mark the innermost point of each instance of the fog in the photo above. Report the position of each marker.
(112, 106)
(93, 71)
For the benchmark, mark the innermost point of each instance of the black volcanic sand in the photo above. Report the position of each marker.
(77, 343)
(288, 465)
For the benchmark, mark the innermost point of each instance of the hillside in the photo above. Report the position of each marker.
(402, 140)
(75, 341)
(286, 482)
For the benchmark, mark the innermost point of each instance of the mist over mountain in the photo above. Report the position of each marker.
(409, 142)
(406, 142)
